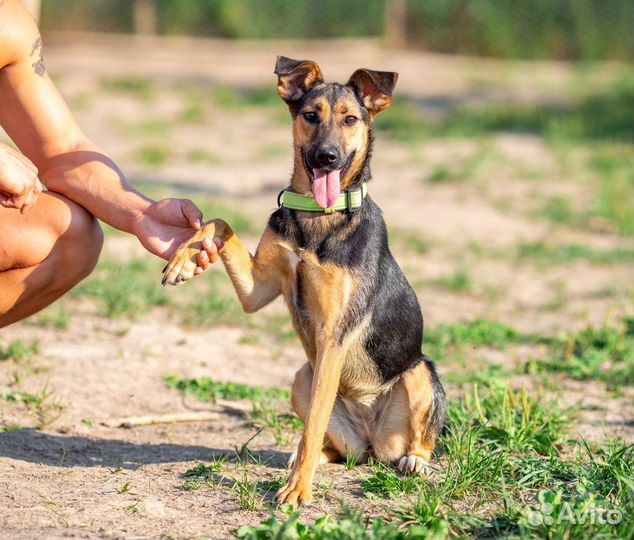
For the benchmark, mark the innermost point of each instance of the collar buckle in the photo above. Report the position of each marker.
(280, 196)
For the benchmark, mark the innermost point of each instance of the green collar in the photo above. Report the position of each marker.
(348, 201)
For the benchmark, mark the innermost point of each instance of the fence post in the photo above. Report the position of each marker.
(396, 23)
(145, 16)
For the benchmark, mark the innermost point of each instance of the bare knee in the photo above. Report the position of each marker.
(80, 243)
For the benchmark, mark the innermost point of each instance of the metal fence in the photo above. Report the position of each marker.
(559, 29)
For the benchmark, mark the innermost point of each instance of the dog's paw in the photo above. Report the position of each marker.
(182, 265)
(294, 493)
(184, 262)
(413, 464)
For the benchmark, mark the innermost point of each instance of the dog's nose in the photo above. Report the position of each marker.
(327, 155)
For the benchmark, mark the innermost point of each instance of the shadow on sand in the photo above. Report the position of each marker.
(34, 446)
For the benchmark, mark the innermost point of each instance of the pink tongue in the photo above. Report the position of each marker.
(326, 187)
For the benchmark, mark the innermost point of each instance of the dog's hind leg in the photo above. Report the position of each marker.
(410, 419)
(343, 436)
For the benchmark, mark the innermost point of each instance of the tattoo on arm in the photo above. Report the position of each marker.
(37, 54)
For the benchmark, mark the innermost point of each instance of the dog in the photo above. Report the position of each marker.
(366, 389)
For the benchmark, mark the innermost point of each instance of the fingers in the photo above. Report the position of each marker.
(24, 200)
(209, 254)
(30, 198)
(192, 213)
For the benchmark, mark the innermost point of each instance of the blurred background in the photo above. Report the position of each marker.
(503, 167)
(566, 29)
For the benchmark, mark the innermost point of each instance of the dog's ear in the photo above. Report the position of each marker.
(374, 88)
(296, 77)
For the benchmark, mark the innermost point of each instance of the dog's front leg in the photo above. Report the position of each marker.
(327, 373)
(256, 280)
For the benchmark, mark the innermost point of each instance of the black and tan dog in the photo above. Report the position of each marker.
(366, 389)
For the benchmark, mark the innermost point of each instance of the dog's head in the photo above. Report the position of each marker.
(332, 123)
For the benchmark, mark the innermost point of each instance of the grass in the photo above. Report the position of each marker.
(202, 475)
(476, 333)
(154, 155)
(249, 496)
(386, 483)
(238, 99)
(601, 117)
(19, 351)
(56, 316)
(507, 419)
(348, 524)
(124, 289)
(207, 389)
(558, 210)
(216, 306)
(604, 353)
(266, 414)
(546, 253)
(458, 282)
(460, 170)
(202, 155)
(6, 428)
(614, 167)
(480, 372)
(137, 87)
(45, 404)
(408, 240)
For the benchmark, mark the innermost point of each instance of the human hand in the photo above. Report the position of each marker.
(167, 224)
(19, 184)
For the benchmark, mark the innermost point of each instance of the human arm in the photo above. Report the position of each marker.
(38, 120)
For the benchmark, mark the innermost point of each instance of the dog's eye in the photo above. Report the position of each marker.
(310, 117)
(350, 120)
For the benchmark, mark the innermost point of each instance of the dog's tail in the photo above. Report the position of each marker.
(435, 421)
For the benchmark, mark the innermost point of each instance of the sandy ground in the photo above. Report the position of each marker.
(67, 479)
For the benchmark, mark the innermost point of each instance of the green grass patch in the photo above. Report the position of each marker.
(124, 289)
(558, 210)
(544, 252)
(604, 116)
(266, 415)
(6, 428)
(44, 404)
(483, 373)
(459, 282)
(216, 306)
(614, 169)
(137, 87)
(154, 155)
(233, 98)
(202, 475)
(510, 420)
(207, 389)
(604, 353)
(201, 155)
(459, 170)
(160, 127)
(194, 113)
(348, 524)
(56, 316)
(408, 240)
(386, 483)
(477, 333)
(19, 351)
